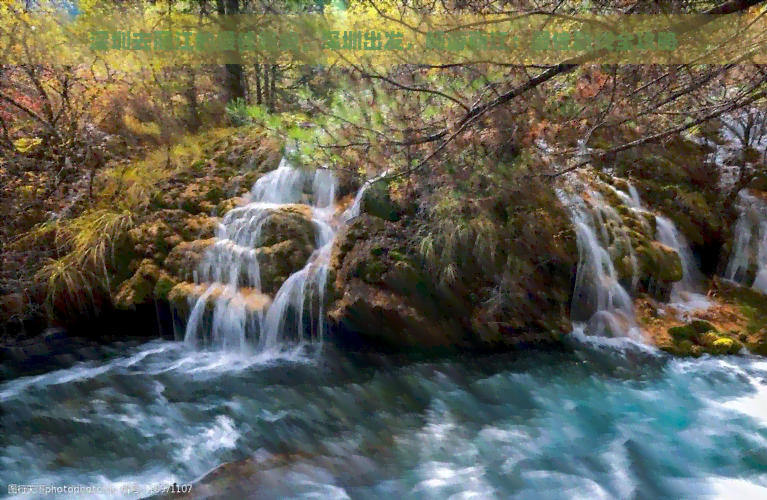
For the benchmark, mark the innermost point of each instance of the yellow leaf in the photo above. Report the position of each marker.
(26, 144)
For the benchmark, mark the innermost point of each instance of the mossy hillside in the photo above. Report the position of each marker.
(752, 305)
(632, 245)
(736, 319)
(674, 178)
(122, 249)
(458, 267)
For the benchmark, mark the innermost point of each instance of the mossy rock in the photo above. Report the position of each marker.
(726, 345)
(153, 239)
(372, 271)
(279, 261)
(361, 228)
(227, 205)
(198, 227)
(185, 258)
(692, 331)
(164, 285)
(139, 289)
(377, 202)
(215, 194)
(700, 337)
(184, 295)
(660, 262)
(290, 222)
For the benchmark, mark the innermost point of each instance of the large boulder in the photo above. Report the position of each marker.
(381, 298)
(660, 262)
(288, 222)
(279, 261)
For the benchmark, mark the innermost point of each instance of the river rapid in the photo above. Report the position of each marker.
(607, 421)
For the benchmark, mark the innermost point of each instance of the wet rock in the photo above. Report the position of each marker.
(660, 262)
(377, 202)
(185, 295)
(380, 298)
(289, 222)
(361, 228)
(225, 206)
(139, 288)
(185, 258)
(279, 261)
(701, 337)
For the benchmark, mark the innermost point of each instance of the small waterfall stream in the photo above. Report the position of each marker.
(685, 294)
(601, 306)
(749, 246)
(243, 318)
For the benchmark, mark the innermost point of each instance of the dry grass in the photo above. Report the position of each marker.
(87, 244)
(456, 237)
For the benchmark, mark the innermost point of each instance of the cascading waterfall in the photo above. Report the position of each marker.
(600, 306)
(685, 294)
(232, 270)
(749, 246)
(631, 200)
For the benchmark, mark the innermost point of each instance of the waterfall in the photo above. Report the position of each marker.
(242, 319)
(630, 199)
(600, 305)
(749, 246)
(685, 294)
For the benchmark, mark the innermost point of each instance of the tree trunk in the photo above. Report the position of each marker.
(273, 91)
(266, 84)
(191, 97)
(259, 100)
(233, 84)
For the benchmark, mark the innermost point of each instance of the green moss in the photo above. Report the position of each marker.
(372, 271)
(692, 331)
(681, 348)
(661, 262)
(752, 304)
(163, 286)
(377, 202)
(726, 345)
(215, 194)
(138, 289)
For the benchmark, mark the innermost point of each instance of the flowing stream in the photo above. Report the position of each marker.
(539, 425)
(616, 422)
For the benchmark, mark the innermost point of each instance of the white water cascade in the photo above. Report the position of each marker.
(600, 306)
(685, 294)
(749, 246)
(231, 270)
